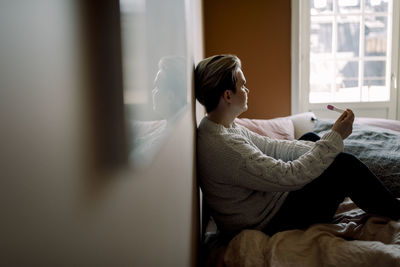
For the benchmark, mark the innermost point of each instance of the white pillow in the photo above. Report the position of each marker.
(303, 123)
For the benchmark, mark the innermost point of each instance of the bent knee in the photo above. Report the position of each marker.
(348, 165)
(346, 158)
(343, 162)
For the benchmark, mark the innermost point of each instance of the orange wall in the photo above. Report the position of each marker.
(258, 32)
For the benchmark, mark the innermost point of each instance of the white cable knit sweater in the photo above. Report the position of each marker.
(246, 177)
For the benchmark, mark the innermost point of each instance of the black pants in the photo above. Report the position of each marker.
(318, 201)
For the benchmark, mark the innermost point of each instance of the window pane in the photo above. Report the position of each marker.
(320, 93)
(321, 7)
(376, 5)
(351, 94)
(347, 69)
(348, 36)
(374, 69)
(373, 82)
(321, 35)
(347, 6)
(321, 79)
(321, 71)
(375, 90)
(346, 83)
(375, 36)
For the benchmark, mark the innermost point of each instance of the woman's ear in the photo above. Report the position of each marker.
(227, 95)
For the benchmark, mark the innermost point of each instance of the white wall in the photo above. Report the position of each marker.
(56, 209)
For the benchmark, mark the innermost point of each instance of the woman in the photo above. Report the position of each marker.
(251, 181)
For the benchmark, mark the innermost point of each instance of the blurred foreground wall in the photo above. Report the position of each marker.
(58, 206)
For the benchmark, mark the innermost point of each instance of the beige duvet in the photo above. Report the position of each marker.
(356, 239)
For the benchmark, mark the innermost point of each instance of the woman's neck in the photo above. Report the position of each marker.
(221, 118)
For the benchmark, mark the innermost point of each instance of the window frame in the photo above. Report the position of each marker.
(300, 54)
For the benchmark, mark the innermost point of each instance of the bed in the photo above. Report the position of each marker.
(354, 238)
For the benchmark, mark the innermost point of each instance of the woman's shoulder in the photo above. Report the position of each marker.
(209, 129)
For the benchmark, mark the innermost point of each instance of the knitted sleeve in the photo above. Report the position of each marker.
(285, 150)
(259, 171)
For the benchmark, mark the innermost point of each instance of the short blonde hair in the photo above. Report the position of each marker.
(213, 76)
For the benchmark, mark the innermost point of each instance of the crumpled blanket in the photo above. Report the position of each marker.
(354, 239)
(377, 147)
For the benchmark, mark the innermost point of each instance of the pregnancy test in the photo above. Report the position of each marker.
(332, 107)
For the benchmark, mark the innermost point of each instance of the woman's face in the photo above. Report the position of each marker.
(239, 99)
(162, 96)
(159, 84)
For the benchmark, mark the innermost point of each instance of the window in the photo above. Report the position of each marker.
(348, 55)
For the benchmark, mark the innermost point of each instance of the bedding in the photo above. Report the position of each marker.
(287, 128)
(280, 128)
(382, 123)
(377, 147)
(354, 238)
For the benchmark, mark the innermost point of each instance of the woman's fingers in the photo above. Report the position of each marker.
(347, 115)
(351, 114)
(344, 124)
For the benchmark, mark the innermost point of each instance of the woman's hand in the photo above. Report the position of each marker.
(344, 124)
